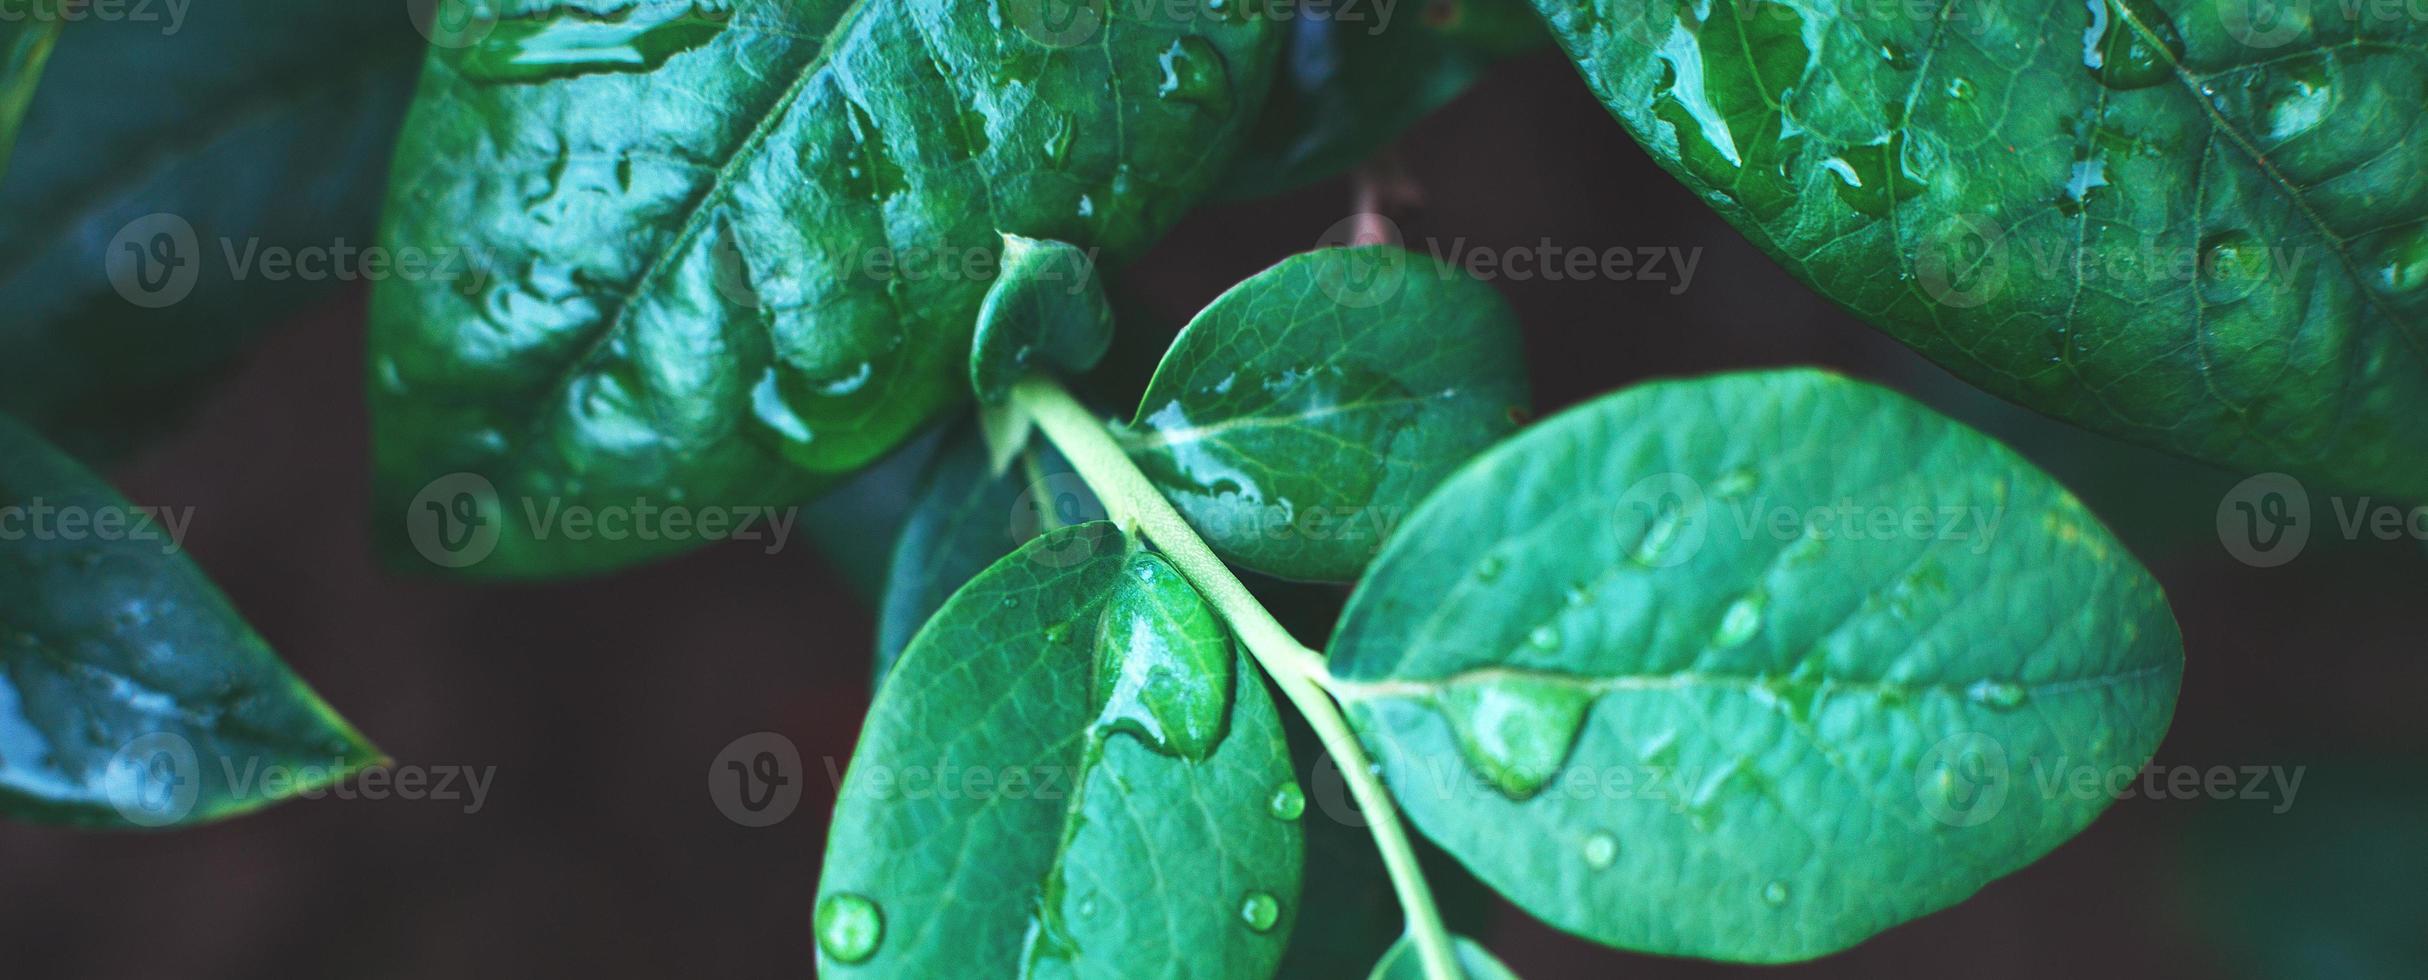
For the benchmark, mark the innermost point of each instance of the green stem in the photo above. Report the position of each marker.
(1300, 672)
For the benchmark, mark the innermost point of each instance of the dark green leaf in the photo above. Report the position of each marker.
(966, 516)
(856, 524)
(1143, 837)
(163, 166)
(1353, 76)
(131, 695)
(2183, 223)
(726, 255)
(1403, 962)
(1302, 414)
(25, 46)
(1752, 667)
(1046, 307)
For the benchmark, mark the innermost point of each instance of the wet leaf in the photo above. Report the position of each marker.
(1021, 805)
(1752, 667)
(770, 276)
(131, 694)
(1302, 414)
(2198, 226)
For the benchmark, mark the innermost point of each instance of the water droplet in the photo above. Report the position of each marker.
(1742, 620)
(1010, 601)
(1601, 851)
(1734, 484)
(578, 42)
(1544, 637)
(1775, 893)
(2118, 46)
(1288, 802)
(849, 927)
(1194, 73)
(1996, 694)
(1960, 89)
(1517, 732)
(1260, 911)
(2401, 264)
(1488, 569)
(2232, 265)
(768, 405)
(1163, 662)
(1897, 56)
(2088, 175)
(1057, 632)
(2295, 97)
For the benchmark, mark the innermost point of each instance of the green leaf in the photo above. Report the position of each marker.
(1403, 962)
(1143, 833)
(963, 517)
(157, 173)
(2212, 242)
(131, 695)
(1353, 77)
(1302, 414)
(1046, 307)
(728, 255)
(1752, 667)
(25, 46)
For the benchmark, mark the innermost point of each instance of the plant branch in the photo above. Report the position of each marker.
(1299, 672)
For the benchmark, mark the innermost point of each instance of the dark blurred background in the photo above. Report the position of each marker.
(601, 703)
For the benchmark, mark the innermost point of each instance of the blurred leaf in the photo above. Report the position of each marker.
(162, 169)
(1403, 962)
(1658, 670)
(131, 695)
(2325, 885)
(25, 46)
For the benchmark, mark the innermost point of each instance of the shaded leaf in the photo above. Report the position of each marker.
(1302, 414)
(1752, 667)
(158, 177)
(1403, 962)
(131, 694)
(1112, 858)
(2197, 226)
(770, 277)
(1046, 308)
(25, 46)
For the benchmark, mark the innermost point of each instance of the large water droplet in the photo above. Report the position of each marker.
(1163, 662)
(2295, 97)
(2401, 263)
(849, 927)
(1517, 732)
(2088, 175)
(1997, 694)
(1260, 911)
(2118, 45)
(579, 42)
(1194, 72)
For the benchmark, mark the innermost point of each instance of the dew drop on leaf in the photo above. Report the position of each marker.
(1288, 802)
(1163, 662)
(1544, 638)
(1999, 695)
(1260, 911)
(1742, 620)
(1516, 732)
(2232, 264)
(1601, 851)
(578, 42)
(849, 927)
(1194, 73)
(1775, 893)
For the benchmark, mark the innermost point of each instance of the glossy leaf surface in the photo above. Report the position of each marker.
(176, 192)
(131, 694)
(1302, 414)
(1752, 667)
(999, 821)
(2198, 226)
(1352, 77)
(24, 48)
(726, 254)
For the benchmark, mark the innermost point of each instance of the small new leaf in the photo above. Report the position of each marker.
(1046, 309)
(1752, 667)
(1301, 415)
